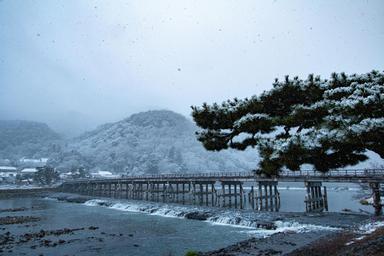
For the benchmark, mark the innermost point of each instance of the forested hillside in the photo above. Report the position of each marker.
(149, 142)
(26, 139)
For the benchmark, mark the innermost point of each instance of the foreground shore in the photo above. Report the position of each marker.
(277, 244)
(315, 244)
(346, 243)
(16, 232)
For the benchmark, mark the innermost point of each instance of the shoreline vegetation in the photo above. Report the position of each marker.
(347, 241)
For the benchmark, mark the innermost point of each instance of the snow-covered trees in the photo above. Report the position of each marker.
(326, 123)
(46, 175)
(151, 142)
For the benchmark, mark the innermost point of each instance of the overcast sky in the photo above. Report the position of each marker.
(80, 63)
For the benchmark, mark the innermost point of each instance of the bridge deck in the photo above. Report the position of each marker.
(348, 176)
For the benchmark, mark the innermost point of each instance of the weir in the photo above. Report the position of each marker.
(227, 189)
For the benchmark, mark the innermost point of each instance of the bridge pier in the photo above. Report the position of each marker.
(101, 189)
(113, 189)
(83, 189)
(126, 190)
(134, 190)
(92, 191)
(237, 195)
(109, 189)
(375, 186)
(266, 198)
(177, 189)
(164, 191)
(203, 192)
(156, 191)
(88, 189)
(118, 190)
(80, 189)
(315, 201)
(147, 189)
(138, 190)
(96, 189)
(106, 189)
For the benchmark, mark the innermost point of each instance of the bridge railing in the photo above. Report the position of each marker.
(301, 173)
(192, 175)
(334, 173)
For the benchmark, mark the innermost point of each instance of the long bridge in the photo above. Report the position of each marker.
(226, 189)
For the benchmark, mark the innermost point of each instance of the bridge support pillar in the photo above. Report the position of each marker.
(109, 189)
(315, 201)
(267, 197)
(203, 192)
(375, 186)
(177, 190)
(126, 190)
(88, 189)
(116, 189)
(237, 194)
(113, 190)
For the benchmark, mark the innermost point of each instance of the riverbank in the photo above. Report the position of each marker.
(367, 240)
(25, 191)
(277, 244)
(346, 243)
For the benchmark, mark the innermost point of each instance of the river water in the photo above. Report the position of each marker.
(140, 228)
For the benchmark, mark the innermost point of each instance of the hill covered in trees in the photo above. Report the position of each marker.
(26, 139)
(151, 142)
(144, 143)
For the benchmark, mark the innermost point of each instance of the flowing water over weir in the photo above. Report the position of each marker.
(227, 189)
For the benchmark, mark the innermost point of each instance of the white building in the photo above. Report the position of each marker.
(8, 169)
(8, 173)
(66, 175)
(104, 174)
(30, 162)
(27, 171)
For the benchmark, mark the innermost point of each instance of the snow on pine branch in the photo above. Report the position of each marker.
(250, 118)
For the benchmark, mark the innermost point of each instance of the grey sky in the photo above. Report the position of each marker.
(79, 63)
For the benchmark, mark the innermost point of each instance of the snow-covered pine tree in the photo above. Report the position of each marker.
(326, 123)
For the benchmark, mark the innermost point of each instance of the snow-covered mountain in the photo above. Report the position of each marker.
(26, 139)
(151, 142)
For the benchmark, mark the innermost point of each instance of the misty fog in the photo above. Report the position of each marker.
(77, 64)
